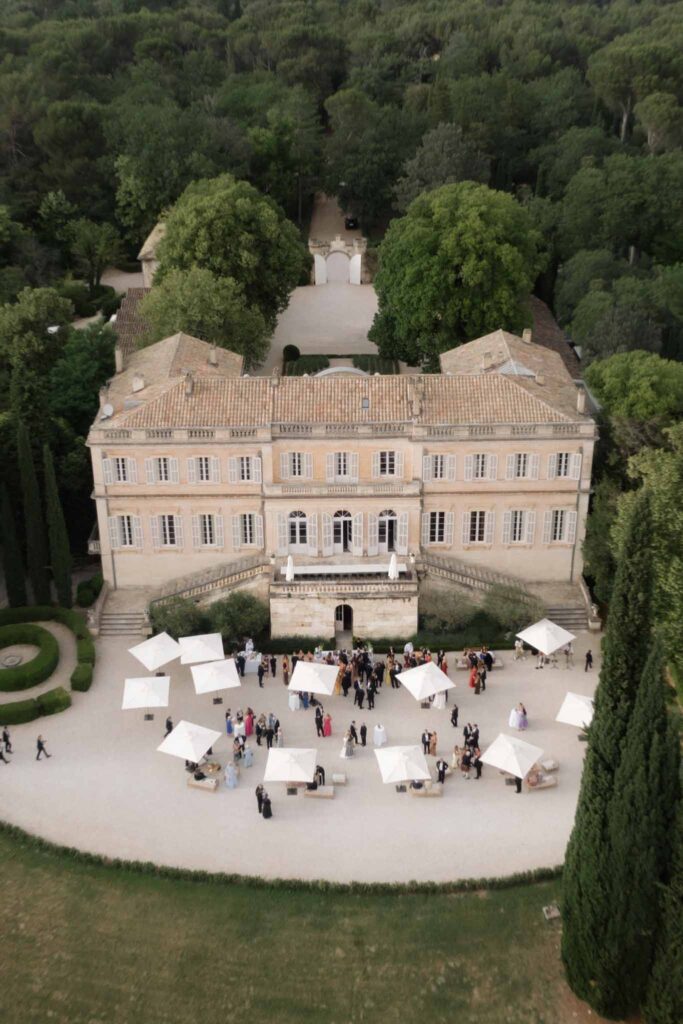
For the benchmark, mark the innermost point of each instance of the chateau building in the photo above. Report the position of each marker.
(196, 465)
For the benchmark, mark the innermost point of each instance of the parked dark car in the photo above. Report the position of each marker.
(350, 223)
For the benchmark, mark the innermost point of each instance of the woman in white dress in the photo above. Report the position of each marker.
(230, 775)
(347, 746)
(513, 721)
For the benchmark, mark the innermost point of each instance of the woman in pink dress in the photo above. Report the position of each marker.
(327, 725)
(249, 722)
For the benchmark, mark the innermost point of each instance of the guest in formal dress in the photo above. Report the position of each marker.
(522, 718)
(466, 764)
(40, 746)
(425, 738)
(442, 768)
(327, 725)
(259, 798)
(267, 806)
(169, 726)
(454, 716)
(228, 722)
(319, 720)
(363, 734)
(7, 740)
(432, 744)
(285, 670)
(230, 775)
(513, 719)
(347, 746)
(589, 661)
(352, 732)
(273, 665)
(249, 723)
(279, 739)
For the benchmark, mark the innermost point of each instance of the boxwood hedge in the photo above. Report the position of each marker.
(81, 677)
(53, 701)
(18, 712)
(39, 668)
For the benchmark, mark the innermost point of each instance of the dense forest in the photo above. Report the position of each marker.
(110, 109)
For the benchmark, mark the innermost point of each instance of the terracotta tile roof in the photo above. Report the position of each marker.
(547, 332)
(429, 399)
(503, 353)
(129, 325)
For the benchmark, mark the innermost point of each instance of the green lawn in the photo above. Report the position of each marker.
(87, 944)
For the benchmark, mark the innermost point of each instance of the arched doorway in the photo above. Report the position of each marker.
(386, 530)
(343, 618)
(298, 531)
(342, 526)
(337, 268)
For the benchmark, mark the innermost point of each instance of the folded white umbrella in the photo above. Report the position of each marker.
(215, 675)
(425, 680)
(402, 764)
(156, 651)
(205, 647)
(189, 741)
(146, 692)
(291, 764)
(576, 710)
(393, 567)
(512, 755)
(313, 677)
(546, 636)
(289, 573)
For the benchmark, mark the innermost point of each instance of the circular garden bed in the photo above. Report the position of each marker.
(38, 668)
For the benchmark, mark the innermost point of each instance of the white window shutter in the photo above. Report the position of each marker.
(357, 534)
(469, 467)
(450, 467)
(398, 464)
(114, 533)
(448, 532)
(353, 466)
(426, 467)
(402, 534)
(219, 534)
(174, 476)
(196, 532)
(533, 466)
(329, 467)
(375, 464)
(132, 471)
(510, 467)
(281, 533)
(465, 533)
(284, 465)
(192, 471)
(492, 466)
(552, 467)
(507, 527)
(547, 527)
(149, 471)
(425, 529)
(312, 524)
(373, 534)
(233, 475)
(258, 521)
(327, 534)
(108, 471)
(236, 533)
(178, 523)
(489, 527)
(530, 525)
(215, 470)
(137, 531)
(154, 523)
(308, 466)
(571, 527)
(575, 468)
(256, 469)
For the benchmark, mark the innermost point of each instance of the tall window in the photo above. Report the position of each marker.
(296, 464)
(121, 474)
(125, 531)
(437, 527)
(477, 527)
(203, 469)
(516, 526)
(298, 528)
(163, 470)
(559, 524)
(480, 466)
(341, 463)
(563, 463)
(246, 471)
(207, 529)
(521, 464)
(438, 467)
(387, 463)
(126, 534)
(167, 530)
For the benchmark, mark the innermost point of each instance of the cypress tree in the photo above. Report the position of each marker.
(586, 890)
(641, 816)
(664, 1002)
(36, 545)
(60, 554)
(15, 578)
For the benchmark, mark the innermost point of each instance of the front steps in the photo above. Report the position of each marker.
(571, 617)
(117, 623)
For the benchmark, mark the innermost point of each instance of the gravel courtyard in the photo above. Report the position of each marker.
(107, 790)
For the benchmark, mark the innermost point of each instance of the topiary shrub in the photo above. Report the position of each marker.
(38, 669)
(19, 712)
(53, 701)
(177, 617)
(240, 614)
(306, 364)
(84, 595)
(85, 650)
(81, 678)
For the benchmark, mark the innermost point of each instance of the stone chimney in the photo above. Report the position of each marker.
(118, 359)
(487, 360)
(189, 383)
(580, 401)
(104, 394)
(213, 356)
(526, 335)
(540, 379)
(138, 382)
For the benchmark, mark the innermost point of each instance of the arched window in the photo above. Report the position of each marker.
(298, 529)
(342, 528)
(386, 530)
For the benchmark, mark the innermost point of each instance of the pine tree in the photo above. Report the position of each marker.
(60, 554)
(664, 1002)
(641, 816)
(588, 864)
(36, 546)
(15, 578)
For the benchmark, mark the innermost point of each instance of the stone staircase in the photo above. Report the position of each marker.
(123, 624)
(572, 617)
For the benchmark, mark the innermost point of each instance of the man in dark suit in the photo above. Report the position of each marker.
(441, 767)
(352, 732)
(454, 716)
(363, 734)
(466, 732)
(473, 738)
(240, 663)
(426, 736)
(169, 726)
(319, 720)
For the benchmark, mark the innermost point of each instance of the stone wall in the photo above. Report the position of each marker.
(314, 615)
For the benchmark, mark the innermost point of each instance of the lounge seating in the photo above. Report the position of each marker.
(322, 792)
(339, 778)
(538, 780)
(549, 764)
(207, 783)
(462, 664)
(429, 789)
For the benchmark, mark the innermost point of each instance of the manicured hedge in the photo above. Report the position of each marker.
(38, 669)
(53, 701)
(81, 677)
(291, 644)
(88, 590)
(85, 650)
(19, 712)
